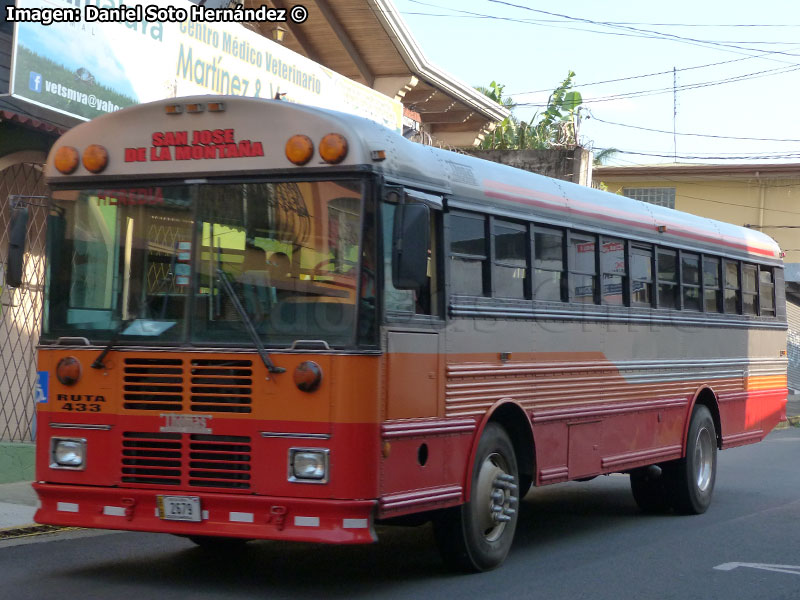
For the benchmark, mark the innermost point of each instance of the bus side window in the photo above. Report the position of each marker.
(766, 287)
(548, 251)
(510, 268)
(612, 268)
(667, 271)
(711, 284)
(733, 288)
(583, 267)
(641, 275)
(468, 254)
(749, 290)
(690, 280)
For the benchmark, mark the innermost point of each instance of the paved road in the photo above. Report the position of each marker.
(578, 540)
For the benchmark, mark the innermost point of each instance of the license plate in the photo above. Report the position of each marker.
(179, 508)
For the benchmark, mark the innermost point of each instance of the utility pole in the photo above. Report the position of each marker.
(674, 114)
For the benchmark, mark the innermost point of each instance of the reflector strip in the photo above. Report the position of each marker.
(67, 507)
(355, 523)
(114, 511)
(241, 517)
(306, 521)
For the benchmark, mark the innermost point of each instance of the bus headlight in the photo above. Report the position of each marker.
(308, 465)
(67, 453)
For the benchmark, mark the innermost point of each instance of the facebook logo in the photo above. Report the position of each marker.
(35, 82)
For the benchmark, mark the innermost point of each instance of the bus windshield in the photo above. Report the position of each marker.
(147, 264)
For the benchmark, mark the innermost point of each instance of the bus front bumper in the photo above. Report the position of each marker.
(226, 515)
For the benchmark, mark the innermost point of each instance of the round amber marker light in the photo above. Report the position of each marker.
(68, 370)
(333, 148)
(95, 158)
(307, 376)
(66, 160)
(299, 149)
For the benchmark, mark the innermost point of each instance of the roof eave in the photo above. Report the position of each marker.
(415, 59)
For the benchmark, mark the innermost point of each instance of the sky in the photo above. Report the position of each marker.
(737, 69)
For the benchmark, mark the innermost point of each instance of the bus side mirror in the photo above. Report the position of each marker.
(16, 246)
(410, 242)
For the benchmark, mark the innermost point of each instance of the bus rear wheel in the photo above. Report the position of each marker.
(692, 477)
(477, 536)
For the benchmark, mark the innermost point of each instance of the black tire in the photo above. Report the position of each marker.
(651, 490)
(477, 536)
(692, 477)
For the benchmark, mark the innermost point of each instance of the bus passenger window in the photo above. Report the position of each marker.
(766, 289)
(749, 290)
(468, 254)
(642, 275)
(711, 293)
(612, 267)
(732, 287)
(690, 280)
(549, 264)
(510, 267)
(583, 267)
(667, 279)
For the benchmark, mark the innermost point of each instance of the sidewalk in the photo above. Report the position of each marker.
(18, 501)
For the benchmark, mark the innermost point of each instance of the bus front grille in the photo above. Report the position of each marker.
(151, 458)
(153, 384)
(222, 385)
(196, 460)
(221, 461)
(213, 386)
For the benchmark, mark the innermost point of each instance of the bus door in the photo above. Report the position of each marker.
(412, 311)
(414, 360)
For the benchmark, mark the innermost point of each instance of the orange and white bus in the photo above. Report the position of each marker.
(269, 321)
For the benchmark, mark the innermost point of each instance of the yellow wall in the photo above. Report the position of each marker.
(736, 199)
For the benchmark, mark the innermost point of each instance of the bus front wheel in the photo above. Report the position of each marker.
(693, 476)
(477, 536)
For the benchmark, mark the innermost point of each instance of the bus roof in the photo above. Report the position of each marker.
(248, 137)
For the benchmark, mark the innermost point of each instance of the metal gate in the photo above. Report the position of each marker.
(21, 308)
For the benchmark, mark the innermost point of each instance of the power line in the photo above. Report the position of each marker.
(702, 135)
(688, 86)
(656, 34)
(632, 77)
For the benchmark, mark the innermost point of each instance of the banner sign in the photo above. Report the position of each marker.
(85, 58)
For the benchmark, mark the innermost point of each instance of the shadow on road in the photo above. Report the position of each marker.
(550, 517)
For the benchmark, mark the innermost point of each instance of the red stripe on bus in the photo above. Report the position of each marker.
(637, 224)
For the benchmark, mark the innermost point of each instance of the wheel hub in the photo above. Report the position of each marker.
(497, 496)
(703, 459)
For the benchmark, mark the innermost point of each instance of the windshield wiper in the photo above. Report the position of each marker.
(248, 324)
(99, 362)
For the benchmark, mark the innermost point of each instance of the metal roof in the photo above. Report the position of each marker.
(368, 41)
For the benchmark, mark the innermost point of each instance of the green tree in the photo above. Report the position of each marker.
(556, 126)
(604, 155)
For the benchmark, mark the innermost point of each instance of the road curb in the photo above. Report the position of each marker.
(29, 530)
